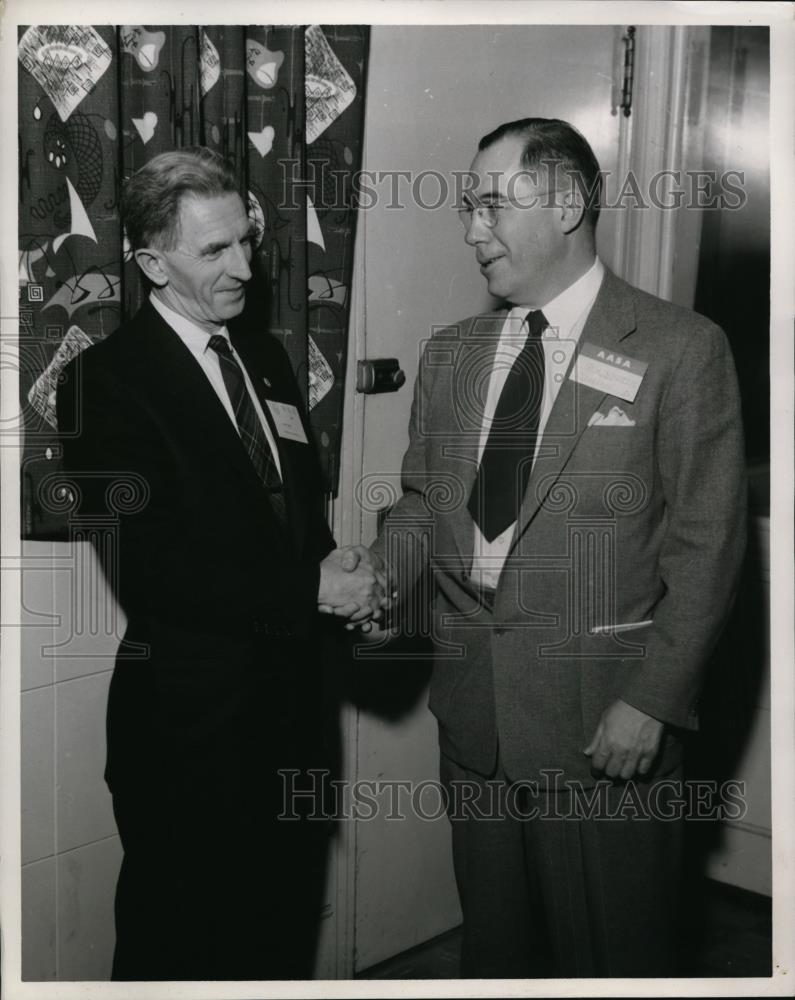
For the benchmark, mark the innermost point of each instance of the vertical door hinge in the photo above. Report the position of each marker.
(629, 71)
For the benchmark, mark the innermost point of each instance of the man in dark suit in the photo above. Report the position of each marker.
(184, 430)
(575, 476)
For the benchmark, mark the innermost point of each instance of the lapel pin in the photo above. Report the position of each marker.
(267, 382)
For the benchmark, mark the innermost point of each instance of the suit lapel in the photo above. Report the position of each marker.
(468, 397)
(612, 318)
(170, 368)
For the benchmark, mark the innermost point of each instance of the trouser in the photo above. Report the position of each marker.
(201, 897)
(214, 884)
(548, 891)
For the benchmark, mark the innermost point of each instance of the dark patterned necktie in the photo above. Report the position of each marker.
(504, 469)
(248, 423)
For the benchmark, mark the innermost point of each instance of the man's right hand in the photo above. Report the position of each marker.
(351, 587)
(355, 555)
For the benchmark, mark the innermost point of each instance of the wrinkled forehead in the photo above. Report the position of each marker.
(497, 172)
(210, 208)
(202, 216)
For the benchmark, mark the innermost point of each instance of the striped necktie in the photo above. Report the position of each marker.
(248, 424)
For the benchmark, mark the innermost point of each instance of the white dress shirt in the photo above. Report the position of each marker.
(566, 315)
(198, 343)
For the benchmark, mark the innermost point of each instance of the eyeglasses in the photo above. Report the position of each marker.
(489, 213)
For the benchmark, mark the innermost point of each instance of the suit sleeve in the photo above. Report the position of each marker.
(403, 539)
(701, 464)
(115, 474)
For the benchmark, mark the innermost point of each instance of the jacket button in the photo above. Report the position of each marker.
(465, 576)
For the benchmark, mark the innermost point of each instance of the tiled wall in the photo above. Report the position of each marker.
(70, 848)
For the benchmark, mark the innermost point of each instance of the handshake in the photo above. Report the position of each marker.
(353, 585)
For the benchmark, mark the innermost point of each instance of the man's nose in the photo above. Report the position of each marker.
(239, 263)
(476, 231)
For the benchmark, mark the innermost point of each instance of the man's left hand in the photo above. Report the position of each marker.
(626, 741)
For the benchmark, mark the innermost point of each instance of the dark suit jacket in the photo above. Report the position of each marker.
(222, 601)
(619, 525)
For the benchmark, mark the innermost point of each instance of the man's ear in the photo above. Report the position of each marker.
(572, 209)
(152, 263)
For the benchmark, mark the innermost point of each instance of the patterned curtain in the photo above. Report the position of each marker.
(285, 104)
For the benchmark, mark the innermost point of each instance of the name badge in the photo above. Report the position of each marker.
(608, 371)
(287, 420)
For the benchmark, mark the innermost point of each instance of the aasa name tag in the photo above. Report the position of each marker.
(608, 371)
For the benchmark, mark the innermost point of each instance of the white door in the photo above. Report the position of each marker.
(432, 93)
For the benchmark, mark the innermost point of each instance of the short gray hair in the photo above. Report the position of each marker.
(151, 198)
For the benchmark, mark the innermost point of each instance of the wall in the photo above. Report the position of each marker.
(70, 849)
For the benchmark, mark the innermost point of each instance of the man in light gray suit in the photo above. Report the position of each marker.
(575, 482)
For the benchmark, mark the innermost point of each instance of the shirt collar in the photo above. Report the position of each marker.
(566, 309)
(188, 331)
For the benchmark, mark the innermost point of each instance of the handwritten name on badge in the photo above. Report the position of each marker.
(287, 420)
(608, 371)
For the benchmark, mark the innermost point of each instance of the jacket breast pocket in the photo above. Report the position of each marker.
(610, 472)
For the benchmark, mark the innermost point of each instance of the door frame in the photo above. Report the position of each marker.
(657, 249)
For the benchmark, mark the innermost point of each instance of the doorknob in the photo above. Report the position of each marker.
(379, 375)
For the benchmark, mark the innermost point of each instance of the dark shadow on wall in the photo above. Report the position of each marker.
(733, 286)
(389, 680)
